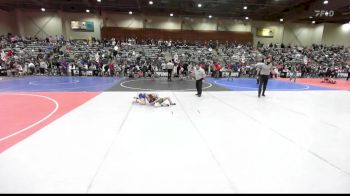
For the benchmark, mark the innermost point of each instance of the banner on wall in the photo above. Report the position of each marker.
(82, 26)
(264, 32)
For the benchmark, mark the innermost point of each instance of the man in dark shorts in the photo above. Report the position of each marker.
(185, 69)
(265, 70)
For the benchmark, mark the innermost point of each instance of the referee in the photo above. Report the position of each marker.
(265, 70)
(199, 75)
(170, 67)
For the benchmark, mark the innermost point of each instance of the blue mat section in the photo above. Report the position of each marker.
(247, 84)
(58, 84)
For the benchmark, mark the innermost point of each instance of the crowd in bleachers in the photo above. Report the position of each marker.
(141, 58)
(239, 58)
(312, 61)
(55, 56)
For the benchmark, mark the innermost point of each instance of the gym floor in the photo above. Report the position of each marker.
(84, 135)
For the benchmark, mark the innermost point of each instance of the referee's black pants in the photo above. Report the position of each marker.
(170, 71)
(199, 84)
(347, 79)
(263, 80)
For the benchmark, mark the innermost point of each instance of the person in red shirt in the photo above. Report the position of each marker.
(217, 68)
(9, 53)
(111, 69)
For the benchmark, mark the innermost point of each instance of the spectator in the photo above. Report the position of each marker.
(293, 73)
(217, 68)
(31, 67)
(43, 67)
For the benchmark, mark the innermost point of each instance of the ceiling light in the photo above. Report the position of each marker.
(325, 2)
(99, 1)
(87, 11)
(210, 16)
(245, 7)
(199, 5)
(281, 20)
(150, 2)
(313, 22)
(247, 18)
(310, 17)
(130, 12)
(43, 9)
(171, 14)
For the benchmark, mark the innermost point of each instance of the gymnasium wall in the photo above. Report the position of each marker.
(276, 27)
(336, 34)
(175, 34)
(234, 25)
(169, 23)
(174, 23)
(43, 24)
(302, 34)
(76, 34)
(40, 24)
(122, 20)
(7, 22)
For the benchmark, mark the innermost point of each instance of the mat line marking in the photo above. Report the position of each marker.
(122, 84)
(211, 152)
(251, 88)
(285, 137)
(109, 149)
(38, 122)
(52, 84)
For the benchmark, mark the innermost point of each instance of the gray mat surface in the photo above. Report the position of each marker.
(162, 84)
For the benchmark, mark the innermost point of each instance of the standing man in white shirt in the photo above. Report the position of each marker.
(199, 75)
(170, 67)
(265, 70)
